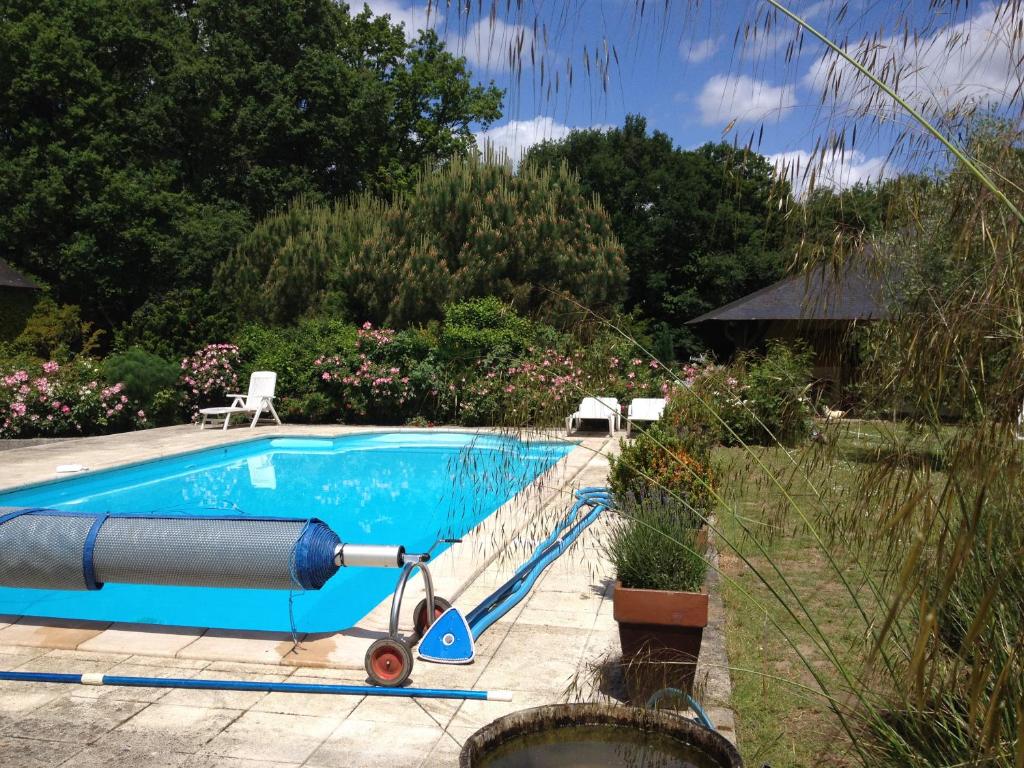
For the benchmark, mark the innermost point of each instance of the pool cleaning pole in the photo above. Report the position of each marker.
(250, 685)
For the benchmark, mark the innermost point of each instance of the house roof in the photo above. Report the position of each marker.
(851, 292)
(9, 278)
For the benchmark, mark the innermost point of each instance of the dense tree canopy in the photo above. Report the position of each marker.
(700, 228)
(141, 139)
(467, 230)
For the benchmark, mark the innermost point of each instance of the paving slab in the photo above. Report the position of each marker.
(104, 754)
(216, 699)
(171, 727)
(272, 736)
(74, 720)
(321, 705)
(50, 633)
(371, 744)
(20, 752)
(142, 639)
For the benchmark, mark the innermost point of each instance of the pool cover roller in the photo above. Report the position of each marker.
(51, 549)
(451, 637)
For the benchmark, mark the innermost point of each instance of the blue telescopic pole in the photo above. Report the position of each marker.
(254, 685)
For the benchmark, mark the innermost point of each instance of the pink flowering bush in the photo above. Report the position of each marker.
(536, 389)
(629, 377)
(61, 400)
(209, 375)
(370, 382)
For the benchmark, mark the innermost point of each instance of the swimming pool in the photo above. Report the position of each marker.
(405, 488)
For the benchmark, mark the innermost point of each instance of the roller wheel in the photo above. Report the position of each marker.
(419, 616)
(388, 662)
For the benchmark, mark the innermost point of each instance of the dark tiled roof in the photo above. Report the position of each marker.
(9, 278)
(853, 292)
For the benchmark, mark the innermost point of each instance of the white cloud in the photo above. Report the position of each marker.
(494, 45)
(700, 50)
(742, 98)
(969, 64)
(486, 44)
(771, 31)
(516, 136)
(414, 17)
(835, 170)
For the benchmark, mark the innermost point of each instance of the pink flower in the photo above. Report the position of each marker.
(141, 414)
(65, 410)
(51, 366)
(326, 376)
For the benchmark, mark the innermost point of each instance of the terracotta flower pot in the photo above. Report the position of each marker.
(660, 633)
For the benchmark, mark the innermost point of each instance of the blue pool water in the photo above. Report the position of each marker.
(381, 488)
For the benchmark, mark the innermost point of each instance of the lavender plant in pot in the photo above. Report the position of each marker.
(658, 546)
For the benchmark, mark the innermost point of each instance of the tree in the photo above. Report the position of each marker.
(140, 140)
(699, 228)
(467, 230)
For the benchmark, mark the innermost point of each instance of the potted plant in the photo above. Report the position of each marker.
(658, 546)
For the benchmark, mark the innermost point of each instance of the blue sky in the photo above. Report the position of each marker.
(683, 69)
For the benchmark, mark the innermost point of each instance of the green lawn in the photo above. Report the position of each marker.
(779, 722)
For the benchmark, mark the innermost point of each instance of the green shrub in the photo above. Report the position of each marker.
(654, 548)
(486, 328)
(143, 375)
(290, 353)
(57, 332)
(693, 411)
(176, 323)
(757, 400)
(167, 407)
(776, 388)
(658, 467)
(311, 408)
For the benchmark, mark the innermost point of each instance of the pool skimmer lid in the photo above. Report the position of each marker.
(448, 640)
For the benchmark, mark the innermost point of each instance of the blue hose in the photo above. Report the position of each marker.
(247, 685)
(702, 716)
(561, 538)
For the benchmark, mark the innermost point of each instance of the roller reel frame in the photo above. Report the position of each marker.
(389, 660)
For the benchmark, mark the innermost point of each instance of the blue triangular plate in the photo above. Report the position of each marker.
(448, 640)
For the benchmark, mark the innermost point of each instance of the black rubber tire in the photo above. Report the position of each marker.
(388, 662)
(419, 615)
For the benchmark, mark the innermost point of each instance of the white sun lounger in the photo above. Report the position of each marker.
(598, 408)
(258, 400)
(647, 409)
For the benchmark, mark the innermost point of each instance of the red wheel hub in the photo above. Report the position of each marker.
(421, 620)
(387, 663)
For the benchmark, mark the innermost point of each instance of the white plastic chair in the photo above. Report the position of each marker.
(602, 408)
(258, 400)
(647, 409)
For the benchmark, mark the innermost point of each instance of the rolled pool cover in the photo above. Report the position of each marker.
(52, 549)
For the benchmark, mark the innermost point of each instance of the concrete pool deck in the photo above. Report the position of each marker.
(544, 645)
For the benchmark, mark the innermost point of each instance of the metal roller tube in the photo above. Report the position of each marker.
(52, 549)
(369, 556)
